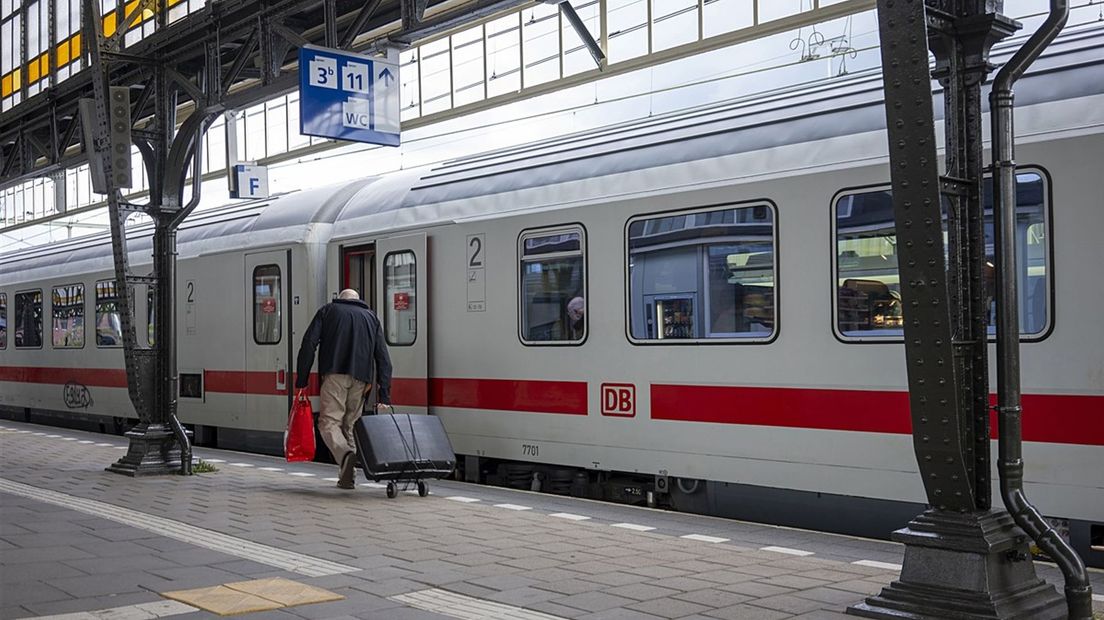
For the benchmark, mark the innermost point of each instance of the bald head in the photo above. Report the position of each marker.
(348, 294)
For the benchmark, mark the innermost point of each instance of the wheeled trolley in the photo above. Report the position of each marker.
(404, 449)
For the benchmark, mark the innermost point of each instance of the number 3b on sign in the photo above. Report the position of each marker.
(323, 72)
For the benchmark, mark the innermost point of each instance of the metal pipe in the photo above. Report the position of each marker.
(1010, 451)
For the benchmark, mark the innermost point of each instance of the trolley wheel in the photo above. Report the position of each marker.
(423, 489)
(392, 490)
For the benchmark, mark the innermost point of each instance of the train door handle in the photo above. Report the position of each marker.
(281, 379)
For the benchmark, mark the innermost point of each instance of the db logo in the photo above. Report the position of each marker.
(619, 399)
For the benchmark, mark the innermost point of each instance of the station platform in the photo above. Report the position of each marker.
(272, 539)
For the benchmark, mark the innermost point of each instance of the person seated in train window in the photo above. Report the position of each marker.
(576, 314)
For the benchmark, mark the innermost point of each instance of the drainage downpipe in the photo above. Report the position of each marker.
(1010, 451)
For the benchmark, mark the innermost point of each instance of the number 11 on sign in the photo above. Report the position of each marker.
(356, 77)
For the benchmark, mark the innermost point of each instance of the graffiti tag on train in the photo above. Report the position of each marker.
(77, 396)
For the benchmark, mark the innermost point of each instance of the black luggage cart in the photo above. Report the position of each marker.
(404, 449)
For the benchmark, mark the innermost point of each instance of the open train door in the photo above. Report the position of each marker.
(403, 307)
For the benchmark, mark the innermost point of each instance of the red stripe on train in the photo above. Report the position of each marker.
(1053, 418)
(567, 397)
(91, 377)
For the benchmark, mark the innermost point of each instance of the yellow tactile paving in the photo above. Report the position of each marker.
(285, 591)
(243, 597)
(222, 600)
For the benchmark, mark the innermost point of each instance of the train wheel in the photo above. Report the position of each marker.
(423, 489)
(392, 491)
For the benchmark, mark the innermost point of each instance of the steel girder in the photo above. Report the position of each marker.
(254, 45)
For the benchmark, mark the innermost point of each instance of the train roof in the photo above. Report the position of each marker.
(793, 115)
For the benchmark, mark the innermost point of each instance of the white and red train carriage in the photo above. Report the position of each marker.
(703, 305)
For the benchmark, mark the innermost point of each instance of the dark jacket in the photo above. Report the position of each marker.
(351, 344)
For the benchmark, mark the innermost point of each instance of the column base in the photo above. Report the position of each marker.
(972, 566)
(153, 451)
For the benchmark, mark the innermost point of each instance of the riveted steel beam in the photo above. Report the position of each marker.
(962, 559)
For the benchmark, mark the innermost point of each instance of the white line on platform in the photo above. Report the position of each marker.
(329, 479)
(209, 539)
(704, 538)
(120, 447)
(68, 438)
(214, 460)
(53, 436)
(467, 607)
(271, 468)
(241, 465)
(85, 441)
(301, 474)
(464, 500)
(22, 432)
(786, 550)
(633, 526)
(143, 611)
(1098, 598)
(873, 564)
(39, 434)
(512, 507)
(104, 445)
(569, 516)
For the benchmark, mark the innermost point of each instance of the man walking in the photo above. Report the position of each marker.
(352, 352)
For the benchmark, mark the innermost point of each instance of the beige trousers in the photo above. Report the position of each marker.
(342, 399)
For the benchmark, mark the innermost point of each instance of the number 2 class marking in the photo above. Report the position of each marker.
(476, 243)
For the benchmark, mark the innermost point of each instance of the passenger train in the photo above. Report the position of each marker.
(700, 309)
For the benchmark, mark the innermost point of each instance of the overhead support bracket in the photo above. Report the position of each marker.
(245, 53)
(193, 91)
(412, 12)
(114, 42)
(329, 8)
(290, 35)
(453, 19)
(580, 29)
(366, 12)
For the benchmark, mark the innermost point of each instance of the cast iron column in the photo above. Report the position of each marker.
(962, 559)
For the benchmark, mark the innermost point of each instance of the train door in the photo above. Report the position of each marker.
(267, 339)
(403, 307)
(358, 272)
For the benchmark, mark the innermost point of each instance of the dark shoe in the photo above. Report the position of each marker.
(347, 478)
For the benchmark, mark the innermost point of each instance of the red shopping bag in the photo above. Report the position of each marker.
(299, 437)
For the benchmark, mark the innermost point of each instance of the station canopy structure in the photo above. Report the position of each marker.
(460, 58)
(457, 57)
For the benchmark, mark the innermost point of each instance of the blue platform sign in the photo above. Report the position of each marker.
(349, 96)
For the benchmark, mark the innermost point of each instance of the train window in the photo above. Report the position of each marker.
(400, 299)
(703, 276)
(868, 300)
(28, 319)
(3, 320)
(109, 327)
(267, 308)
(553, 286)
(67, 307)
